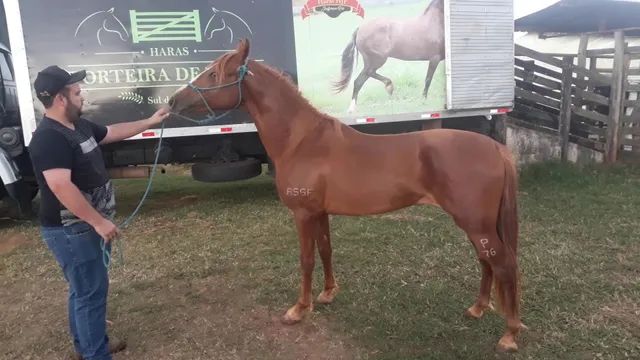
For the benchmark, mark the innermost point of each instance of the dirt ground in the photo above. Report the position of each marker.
(170, 317)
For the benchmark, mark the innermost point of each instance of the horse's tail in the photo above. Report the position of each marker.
(508, 211)
(347, 64)
(507, 224)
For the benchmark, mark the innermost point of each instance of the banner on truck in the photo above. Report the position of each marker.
(348, 57)
(371, 57)
(138, 52)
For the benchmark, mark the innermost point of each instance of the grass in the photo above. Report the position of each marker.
(320, 41)
(209, 268)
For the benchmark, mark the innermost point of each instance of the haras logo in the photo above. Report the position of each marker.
(131, 49)
(332, 8)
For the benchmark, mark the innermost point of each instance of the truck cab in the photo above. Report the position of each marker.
(17, 182)
(138, 53)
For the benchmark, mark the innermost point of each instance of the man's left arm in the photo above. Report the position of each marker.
(126, 130)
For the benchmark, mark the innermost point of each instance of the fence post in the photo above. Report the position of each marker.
(529, 75)
(565, 106)
(615, 101)
(582, 63)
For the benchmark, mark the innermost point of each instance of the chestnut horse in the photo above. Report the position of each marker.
(325, 167)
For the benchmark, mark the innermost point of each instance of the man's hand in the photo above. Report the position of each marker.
(107, 230)
(125, 130)
(159, 115)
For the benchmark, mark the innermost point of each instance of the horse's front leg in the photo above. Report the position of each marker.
(433, 65)
(308, 225)
(324, 248)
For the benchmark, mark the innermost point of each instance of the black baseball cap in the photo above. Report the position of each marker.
(53, 79)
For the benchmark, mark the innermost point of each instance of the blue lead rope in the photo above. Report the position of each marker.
(243, 70)
(106, 253)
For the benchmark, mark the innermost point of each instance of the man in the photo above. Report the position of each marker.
(77, 201)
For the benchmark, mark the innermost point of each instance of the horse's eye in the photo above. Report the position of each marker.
(212, 74)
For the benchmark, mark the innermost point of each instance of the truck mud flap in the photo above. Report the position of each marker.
(230, 171)
(21, 194)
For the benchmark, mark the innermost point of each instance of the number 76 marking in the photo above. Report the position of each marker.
(491, 251)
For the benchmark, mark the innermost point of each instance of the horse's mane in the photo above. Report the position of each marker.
(288, 87)
(433, 3)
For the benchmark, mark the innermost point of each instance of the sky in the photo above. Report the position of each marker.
(526, 7)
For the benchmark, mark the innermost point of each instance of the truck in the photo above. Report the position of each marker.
(381, 66)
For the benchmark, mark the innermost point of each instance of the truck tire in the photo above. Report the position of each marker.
(231, 171)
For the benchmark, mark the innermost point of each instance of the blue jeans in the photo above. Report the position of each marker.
(77, 249)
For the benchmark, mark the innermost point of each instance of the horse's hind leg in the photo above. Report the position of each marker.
(503, 266)
(370, 64)
(357, 85)
(483, 301)
(309, 228)
(505, 272)
(388, 84)
(324, 248)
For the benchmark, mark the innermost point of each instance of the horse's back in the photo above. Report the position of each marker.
(460, 146)
(462, 163)
(374, 37)
(417, 38)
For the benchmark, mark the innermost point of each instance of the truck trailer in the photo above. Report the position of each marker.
(382, 66)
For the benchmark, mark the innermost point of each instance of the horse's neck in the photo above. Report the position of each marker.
(282, 116)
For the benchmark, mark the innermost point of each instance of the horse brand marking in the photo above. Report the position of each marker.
(489, 253)
(296, 191)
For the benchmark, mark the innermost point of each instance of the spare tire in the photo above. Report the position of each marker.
(229, 171)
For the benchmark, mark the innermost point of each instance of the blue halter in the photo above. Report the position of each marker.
(243, 70)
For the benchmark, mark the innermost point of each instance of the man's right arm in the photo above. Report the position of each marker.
(59, 181)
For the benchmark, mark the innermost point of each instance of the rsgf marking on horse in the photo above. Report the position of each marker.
(299, 191)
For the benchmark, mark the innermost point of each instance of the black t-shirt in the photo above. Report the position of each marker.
(55, 146)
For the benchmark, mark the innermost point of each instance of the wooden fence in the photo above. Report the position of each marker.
(571, 96)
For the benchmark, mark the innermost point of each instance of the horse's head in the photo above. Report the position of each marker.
(112, 24)
(218, 84)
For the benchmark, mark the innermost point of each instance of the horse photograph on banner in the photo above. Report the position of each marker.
(359, 58)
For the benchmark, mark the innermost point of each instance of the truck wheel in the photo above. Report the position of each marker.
(231, 171)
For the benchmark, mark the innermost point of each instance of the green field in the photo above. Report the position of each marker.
(210, 268)
(320, 41)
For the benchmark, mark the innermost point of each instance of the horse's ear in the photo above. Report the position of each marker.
(239, 56)
(243, 49)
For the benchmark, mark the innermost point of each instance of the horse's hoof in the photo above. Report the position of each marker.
(352, 107)
(507, 344)
(327, 296)
(389, 89)
(476, 311)
(295, 314)
(288, 320)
